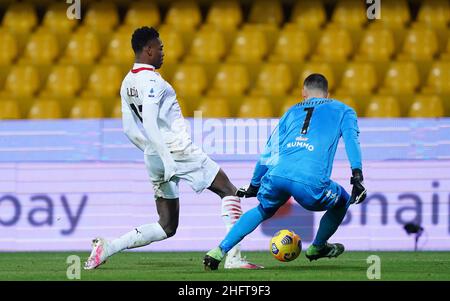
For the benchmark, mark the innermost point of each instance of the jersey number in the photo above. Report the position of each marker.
(307, 120)
(137, 111)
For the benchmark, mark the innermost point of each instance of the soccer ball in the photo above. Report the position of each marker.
(285, 245)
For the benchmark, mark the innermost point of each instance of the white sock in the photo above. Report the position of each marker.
(139, 237)
(231, 212)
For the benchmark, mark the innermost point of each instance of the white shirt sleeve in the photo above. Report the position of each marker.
(131, 128)
(152, 94)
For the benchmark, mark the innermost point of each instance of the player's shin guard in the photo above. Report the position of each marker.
(139, 237)
(231, 212)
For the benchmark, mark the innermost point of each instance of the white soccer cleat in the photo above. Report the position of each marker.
(98, 254)
(235, 262)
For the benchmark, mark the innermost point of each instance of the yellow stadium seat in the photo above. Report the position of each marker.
(208, 46)
(292, 46)
(309, 14)
(20, 18)
(255, 107)
(173, 44)
(266, 83)
(438, 80)
(248, 46)
(63, 81)
(119, 49)
(288, 103)
(266, 11)
(104, 81)
(420, 44)
(87, 108)
(8, 47)
(401, 77)
(395, 14)
(383, 107)
(42, 48)
(359, 78)
(335, 45)
(189, 80)
(435, 13)
(426, 106)
(377, 44)
(101, 16)
(348, 100)
(225, 14)
(214, 107)
(142, 13)
(184, 15)
(9, 109)
(45, 109)
(322, 68)
(22, 81)
(83, 47)
(230, 80)
(56, 20)
(350, 13)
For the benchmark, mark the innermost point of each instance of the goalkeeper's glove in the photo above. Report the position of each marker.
(359, 192)
(249, 191)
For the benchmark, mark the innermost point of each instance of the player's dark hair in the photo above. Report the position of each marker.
(141, 37)
(316, 81)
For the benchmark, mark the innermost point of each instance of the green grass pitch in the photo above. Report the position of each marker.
(187, 266)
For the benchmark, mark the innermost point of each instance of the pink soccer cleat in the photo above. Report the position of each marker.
(98, 255)
(236, 262)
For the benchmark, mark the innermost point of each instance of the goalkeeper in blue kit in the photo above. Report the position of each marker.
(297, 162)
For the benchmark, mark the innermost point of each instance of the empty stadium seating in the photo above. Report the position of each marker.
(214, 107)
(224, 56)
(426, 106)
(383, 107)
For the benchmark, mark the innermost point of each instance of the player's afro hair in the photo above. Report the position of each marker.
(141, 37)
(316, 81)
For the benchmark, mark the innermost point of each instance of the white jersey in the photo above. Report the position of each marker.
(144, 84)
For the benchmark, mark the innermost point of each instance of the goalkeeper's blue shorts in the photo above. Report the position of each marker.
(275, 191)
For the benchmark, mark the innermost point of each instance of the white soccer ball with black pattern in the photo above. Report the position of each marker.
(285, 245)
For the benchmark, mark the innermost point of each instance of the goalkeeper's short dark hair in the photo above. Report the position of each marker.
(141, 37)
(316, 81)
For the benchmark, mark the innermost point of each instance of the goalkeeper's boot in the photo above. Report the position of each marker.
(328, 250)
(234, 260)
(98, 255)
(212, 259)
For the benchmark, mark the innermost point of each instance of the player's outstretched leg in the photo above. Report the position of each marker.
(245, 225)
(140, 236)
(168, 211)
(231, 212)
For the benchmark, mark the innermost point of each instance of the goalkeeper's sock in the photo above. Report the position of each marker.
(231, 212)
(330, 222)
(245, 225)
(139, 237)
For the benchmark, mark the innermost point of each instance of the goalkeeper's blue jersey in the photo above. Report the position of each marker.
(303, 145)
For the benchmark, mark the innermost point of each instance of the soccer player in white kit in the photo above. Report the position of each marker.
(169, 154)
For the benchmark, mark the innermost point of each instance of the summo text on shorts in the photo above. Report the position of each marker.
(225, 290)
